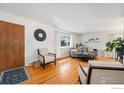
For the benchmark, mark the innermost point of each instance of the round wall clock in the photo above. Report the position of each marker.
(40, 35)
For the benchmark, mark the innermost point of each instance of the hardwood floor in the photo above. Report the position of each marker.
(65, 72)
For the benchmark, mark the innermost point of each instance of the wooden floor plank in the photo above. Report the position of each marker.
(65, 72)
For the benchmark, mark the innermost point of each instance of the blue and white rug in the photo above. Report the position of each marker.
(14, 76)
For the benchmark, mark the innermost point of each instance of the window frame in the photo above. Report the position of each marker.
(67, 36)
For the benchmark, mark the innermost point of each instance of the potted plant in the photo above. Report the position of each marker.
(118, 44)
(79, 46)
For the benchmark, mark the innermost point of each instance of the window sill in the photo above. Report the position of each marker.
(65, 47)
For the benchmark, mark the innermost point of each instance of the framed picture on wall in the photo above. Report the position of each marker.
(96, 39)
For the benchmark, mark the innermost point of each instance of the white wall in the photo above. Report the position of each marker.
(75, 39)
(31, 45)
(101, 46)
(63, 52)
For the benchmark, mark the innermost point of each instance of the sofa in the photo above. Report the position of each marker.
(101, 73)
(74, 52)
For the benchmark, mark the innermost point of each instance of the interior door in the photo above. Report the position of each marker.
(11, 45)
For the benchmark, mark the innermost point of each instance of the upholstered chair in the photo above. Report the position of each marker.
(74, 52)
(101, 73)
(45, 57)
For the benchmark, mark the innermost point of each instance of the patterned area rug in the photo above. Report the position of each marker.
(14, 76)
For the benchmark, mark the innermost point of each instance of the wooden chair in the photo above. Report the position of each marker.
(101, 73)
(45, 57)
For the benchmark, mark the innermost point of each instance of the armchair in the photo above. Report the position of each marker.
(45, 57)
(101, 73)
(74, 52)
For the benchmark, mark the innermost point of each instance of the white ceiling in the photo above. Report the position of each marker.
(78, 18)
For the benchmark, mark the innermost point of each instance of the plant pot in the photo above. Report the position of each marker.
(120, 53)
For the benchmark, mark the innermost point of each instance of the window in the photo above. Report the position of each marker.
(65, 40)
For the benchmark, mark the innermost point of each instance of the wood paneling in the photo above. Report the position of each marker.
(65, 72)
(11, 45)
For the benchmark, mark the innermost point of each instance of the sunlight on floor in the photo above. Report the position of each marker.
(65, 72)
(63, 60)
(64, 68)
